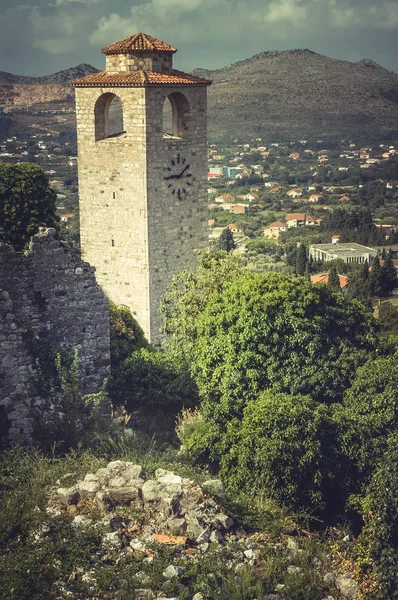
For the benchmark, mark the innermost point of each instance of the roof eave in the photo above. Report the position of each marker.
(143, 84)
(108, 52)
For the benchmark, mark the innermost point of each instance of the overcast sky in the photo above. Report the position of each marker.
(39, 37)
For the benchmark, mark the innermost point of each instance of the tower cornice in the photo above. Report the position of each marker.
(138, 78)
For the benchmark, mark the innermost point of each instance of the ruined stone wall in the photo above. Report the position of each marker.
(47, 291)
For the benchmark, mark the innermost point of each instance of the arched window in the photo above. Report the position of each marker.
(108, 113)
(167, 118)
(176, 116)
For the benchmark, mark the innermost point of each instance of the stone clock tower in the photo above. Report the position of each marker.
(142, 192)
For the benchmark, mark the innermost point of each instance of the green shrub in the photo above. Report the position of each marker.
(126, 335)
(266, 331)
(196, 434)
(27, 202)
(281, 448)
(366, 419)
(151, 379)
(380, 535)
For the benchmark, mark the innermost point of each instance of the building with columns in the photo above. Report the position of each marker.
(142, 180)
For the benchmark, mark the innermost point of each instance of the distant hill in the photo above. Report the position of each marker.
(298, 93)
(61, 78)
(274, 95)
(33, 95)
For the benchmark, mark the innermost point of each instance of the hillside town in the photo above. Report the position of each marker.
(271, 197)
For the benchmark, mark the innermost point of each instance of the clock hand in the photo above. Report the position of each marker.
(172, 177)
(183, 171)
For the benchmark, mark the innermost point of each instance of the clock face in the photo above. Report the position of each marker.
(178, 177)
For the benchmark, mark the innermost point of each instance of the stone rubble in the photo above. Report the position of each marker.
(179, 513)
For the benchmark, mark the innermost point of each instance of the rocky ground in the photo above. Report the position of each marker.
(167, 529)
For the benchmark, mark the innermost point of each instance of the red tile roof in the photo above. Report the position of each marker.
(138, 79)
(295, 217)
(324, 278)
(139, 42)
(277, 224)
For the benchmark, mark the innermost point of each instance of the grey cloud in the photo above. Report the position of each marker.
(60, 33)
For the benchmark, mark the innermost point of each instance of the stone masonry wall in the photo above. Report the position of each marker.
(50, 292)
(112, 199)
(177, 226)
(148, 61)
(133, 229)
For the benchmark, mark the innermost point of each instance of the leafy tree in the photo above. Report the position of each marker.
(189, 294)
(281, 447)
(226, 240)
(380, 535)
(368, 416)
(388, 276)
(375, 279)
(126, 335)
(263, 331)
(301, 260)
(333, 280)
(27, 202)
(388, 317)
(359, 285)
(151, 378)
(263, 246)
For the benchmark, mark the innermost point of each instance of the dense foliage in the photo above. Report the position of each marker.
(126, 335)
(281, 446)
(379, 539)
(271, 330)
(368, 416)
(27, 202)
(353, 226)
(151, 378)
(189, 294)
(284, 396)
(226, 240)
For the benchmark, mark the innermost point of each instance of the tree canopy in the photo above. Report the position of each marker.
(263, 331)
(27, 202)
(282, 447)
(126, 335)
(188, 296)
(226, 240)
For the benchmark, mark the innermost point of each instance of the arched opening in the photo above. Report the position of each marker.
(108, 114)
(167, 118)
(116, 124)
(176, 116)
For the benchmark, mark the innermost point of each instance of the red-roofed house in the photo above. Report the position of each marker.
(238, 209)
(300, 219)
(252, 196)
(274, 230)
(295, 219)
(224, 198)
(295, 193)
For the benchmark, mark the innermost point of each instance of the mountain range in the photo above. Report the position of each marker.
(273, 95)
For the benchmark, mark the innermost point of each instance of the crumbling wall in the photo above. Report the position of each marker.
(50, 293)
